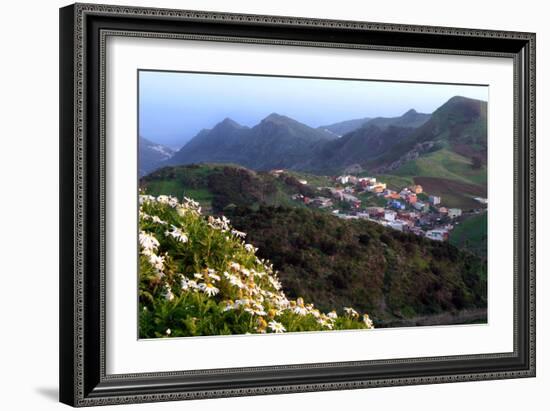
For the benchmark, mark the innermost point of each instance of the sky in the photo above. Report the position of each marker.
(175, 106)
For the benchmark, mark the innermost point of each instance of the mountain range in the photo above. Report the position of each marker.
(449, 143)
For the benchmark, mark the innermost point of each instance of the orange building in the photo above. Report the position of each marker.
(417, 189)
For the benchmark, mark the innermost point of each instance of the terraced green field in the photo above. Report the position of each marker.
(444, 164)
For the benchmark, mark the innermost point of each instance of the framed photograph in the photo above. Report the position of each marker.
(262, 204)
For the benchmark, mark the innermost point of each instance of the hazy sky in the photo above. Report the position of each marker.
(174, 107)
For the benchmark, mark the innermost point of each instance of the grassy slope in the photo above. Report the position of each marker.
(216, 186)
(443, 173)
(181, 181)
(444, 164)
(471, 234)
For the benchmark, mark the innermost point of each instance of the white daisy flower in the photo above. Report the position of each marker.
(300, 310)
(209, 289)
(146, 199)
(236, 281)
(351, 312)
(214, 277)
(192, 284)
(148, 242)
(276, 327)
(238, 233)
(171, 201)
(332, 315)
(191, 204)
(368, 322)
(235, 266)
(250, 248)
(156, 261)
(325, 323)
(184, 282)
(244, 302)
(157, 220)
(177, 234)
(221, 224)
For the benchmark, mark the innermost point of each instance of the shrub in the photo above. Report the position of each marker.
(199, 277)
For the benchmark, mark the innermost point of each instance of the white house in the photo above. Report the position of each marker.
(435, 200)
(389, 215)
(396, 225)
(454, 212)
(437, 235)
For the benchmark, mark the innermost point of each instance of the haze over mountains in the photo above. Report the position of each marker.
(151, 155)
(345, 127)
(379, 144)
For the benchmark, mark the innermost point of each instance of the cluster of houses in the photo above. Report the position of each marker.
(408, 210)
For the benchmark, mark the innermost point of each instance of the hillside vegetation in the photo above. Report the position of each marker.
(199, 277)
(217, 186)
(471, 234)
(390, 274)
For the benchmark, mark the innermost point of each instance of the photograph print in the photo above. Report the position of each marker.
(272, 204)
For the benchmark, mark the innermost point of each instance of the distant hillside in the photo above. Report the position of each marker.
(151, 155)
(447, 155)
(344, 127)
(449, 145)
(355, 148)
(281, 142)
(411, 118)
(459, 125)
(393, 275)
(218, 186)
(276, 142)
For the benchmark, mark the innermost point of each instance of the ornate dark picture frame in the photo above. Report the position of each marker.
(83, 30)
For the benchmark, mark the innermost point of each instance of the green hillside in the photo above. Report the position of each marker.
(446, 174)
(217, 186)
(444, 164)
(471, 234)
(447, 155)
(390, 274)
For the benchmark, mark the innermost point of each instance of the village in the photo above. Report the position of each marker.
(408, 210)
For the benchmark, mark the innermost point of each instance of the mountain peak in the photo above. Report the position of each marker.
(229, 122)
(464, 101)
(411, 112)
(275, 117)
(469, 107)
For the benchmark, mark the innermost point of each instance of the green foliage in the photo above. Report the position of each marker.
(471, 234)
(198, 277)
(217, 186)
(387, 273)
(444, 164)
